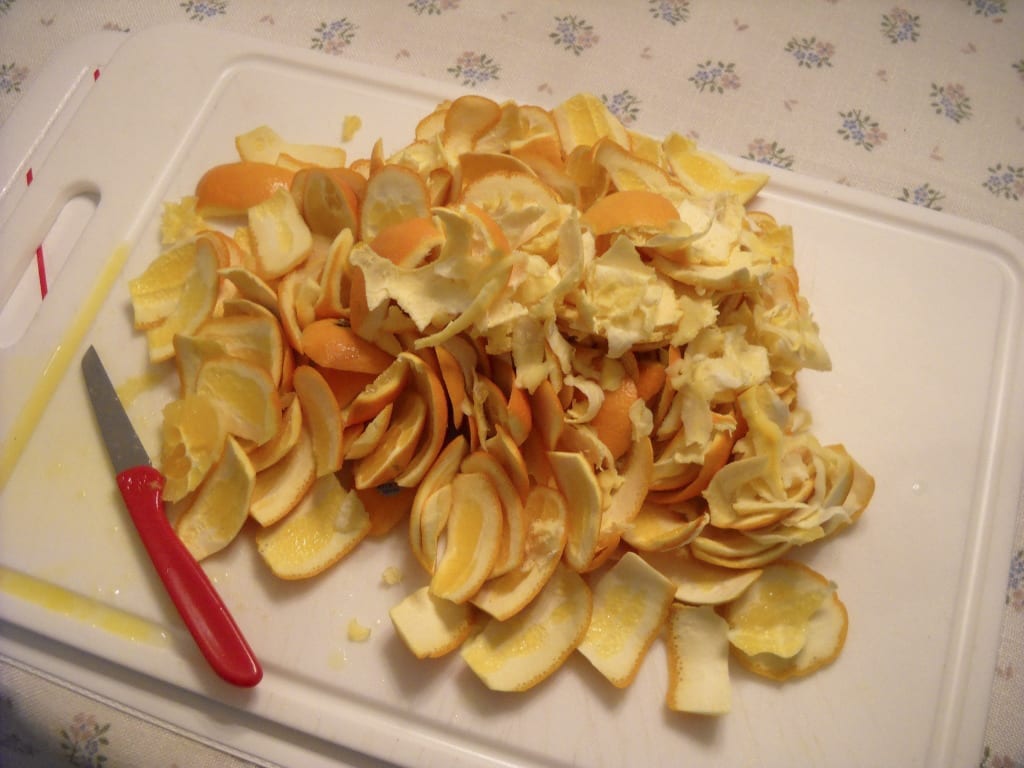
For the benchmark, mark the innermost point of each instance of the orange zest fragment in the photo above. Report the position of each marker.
(523, 651)
(409, 242)
(231, 189)
(332, 345)
(473, 536)
(322, 418)
(629, 208)
(325, 526)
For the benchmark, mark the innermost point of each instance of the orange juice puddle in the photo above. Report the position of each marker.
(57, 365)
(81, 608)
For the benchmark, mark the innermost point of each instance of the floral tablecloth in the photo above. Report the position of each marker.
(917, 100)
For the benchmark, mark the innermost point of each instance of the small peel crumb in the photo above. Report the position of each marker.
(357, 633)
(180, 221)
(391, 576)
(350, 126)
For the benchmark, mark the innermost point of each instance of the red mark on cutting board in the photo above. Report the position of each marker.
(41, 269)
(40, 262)
(95, 74)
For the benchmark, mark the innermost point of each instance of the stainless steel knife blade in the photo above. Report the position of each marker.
(122, 441)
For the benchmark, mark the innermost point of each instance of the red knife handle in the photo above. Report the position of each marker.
(204, 613)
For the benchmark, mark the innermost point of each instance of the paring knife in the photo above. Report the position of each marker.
(141, 485)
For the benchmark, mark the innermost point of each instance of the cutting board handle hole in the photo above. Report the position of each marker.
(43, 272)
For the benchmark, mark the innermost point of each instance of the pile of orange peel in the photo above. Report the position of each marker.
(560, 354)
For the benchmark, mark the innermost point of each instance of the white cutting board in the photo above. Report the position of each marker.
(922, 314)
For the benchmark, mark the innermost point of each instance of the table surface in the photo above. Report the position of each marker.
(922, 102)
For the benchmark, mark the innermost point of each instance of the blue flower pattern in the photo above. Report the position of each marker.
(334, 36)
(987, 8)
(473, 69)
(670, 11)
(11, 77)
(859, 128)
(810, 52)
(625, 105)
(83, 741)
(923, 195)
(433, 7)
(770, 153)
(901, 26)
(198, 10)
(715, 77)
